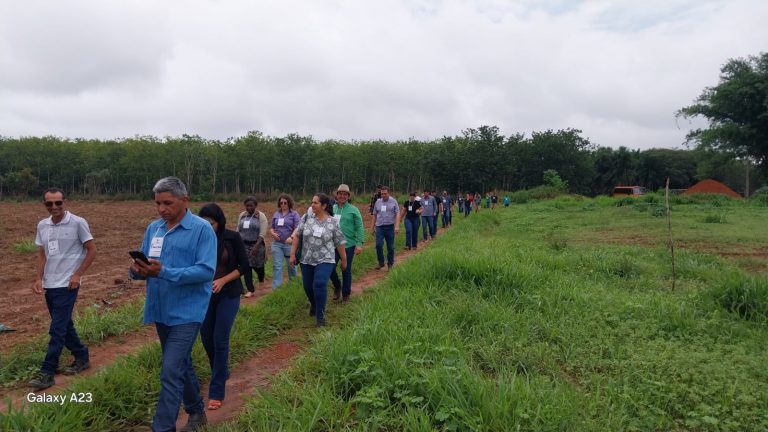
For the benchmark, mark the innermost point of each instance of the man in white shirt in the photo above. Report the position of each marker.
(65, 250)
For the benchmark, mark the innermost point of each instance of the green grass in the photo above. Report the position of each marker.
(25, 246)
(494, 328)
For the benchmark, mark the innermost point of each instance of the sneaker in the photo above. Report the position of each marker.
(76, 367)
(336, 293)
(312, 311)
(196, 422)
(345, 299)
(379, 267)
(41, 380)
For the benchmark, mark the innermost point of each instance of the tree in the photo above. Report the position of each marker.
(737, 110)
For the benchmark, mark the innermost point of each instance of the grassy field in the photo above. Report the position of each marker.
(549, 316)
(554, 315)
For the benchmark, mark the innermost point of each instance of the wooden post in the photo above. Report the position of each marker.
(669, 231)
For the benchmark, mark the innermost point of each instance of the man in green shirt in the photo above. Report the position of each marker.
(351, 223)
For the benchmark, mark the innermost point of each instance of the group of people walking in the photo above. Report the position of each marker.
(195, 266)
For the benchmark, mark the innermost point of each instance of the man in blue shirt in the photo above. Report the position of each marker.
(182, 261)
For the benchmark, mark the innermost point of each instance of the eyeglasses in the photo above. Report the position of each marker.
(50, 204)
(283, 202)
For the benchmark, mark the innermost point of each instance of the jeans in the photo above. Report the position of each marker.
(214, 333)
(467, 208)
(61, 302)
(280, 252)
(385, 233)
(446, 217)
(412, 231)
(178, 381)
(346, 275)
(430, 226)
(315, 281)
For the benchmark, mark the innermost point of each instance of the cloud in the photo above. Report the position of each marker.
(360, 70)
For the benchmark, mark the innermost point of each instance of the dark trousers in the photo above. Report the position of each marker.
(315, 281)
(346, 275)
(61, 302)
(214, 333)
(178, 382)
(385, 233)
(429, 224)
(412, 231)
(446, 217)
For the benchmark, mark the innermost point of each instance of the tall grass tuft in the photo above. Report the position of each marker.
(744, 295)
(25, 246)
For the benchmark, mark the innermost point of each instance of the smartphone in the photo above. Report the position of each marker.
(139, 255)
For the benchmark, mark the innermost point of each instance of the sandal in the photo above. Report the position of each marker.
(214, 404)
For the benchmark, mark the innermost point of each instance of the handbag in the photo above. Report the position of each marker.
(301, 239)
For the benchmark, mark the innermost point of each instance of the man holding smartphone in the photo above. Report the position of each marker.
(181, 250)
(65, 250)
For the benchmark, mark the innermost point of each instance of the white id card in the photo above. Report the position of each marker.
(156, 247)
(53, 247)
(410, 208)
(317, 231)
(383, 208)
(280, 221)
(246, 224)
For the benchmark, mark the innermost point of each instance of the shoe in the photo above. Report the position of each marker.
(76, 367)
(41, 381)
(248, 294)
(336, 293)
(311, 311)
(196, 422)
(320, 323)
(407, 248)
(379, 267)
(345, 299)
(214, 404)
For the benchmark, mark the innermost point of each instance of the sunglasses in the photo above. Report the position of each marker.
(50, 204)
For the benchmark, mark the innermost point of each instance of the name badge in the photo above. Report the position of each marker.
(280, 221)
(156, 247)
(317, 231)
(426, 203)
(383, 208)
(410, 208)
(246, 224)
(53, 247)
(445, 201)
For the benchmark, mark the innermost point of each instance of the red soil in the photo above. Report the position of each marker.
(711, 187)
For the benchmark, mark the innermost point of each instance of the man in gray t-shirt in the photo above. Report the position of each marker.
(65, 250)
(428, 213)
(386, 223)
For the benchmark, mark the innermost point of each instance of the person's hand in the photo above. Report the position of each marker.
(275, 236)
(292, 260)
(397, 228)
(289, 240)
(74, 282)
(343, 263)
(218, 284)
(358, 250)
(37, 287)
(147, 270)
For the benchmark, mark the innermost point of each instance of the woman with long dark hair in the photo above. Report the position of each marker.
(321, 239)
(231, 263)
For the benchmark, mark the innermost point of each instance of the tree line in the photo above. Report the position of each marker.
(479, 159)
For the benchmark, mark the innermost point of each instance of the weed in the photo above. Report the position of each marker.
(714, 218)
(25, 246)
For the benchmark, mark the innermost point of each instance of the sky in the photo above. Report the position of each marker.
(358, 70)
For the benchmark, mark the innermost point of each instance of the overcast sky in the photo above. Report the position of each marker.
(355, 70)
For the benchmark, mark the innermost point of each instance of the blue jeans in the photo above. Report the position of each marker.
(315, 281)
(61, 302)
(412, 231)
(446, 217)
(385, 233)
(430, 226)
(214, 333)
(178, 381)
(280, 252)
(467, 208)
(346, 275)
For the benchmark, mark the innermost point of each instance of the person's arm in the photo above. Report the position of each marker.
(373, 214)
(397, 219)
(203, 268)
(135, 271)
(359, 231)
(37, 287)
(241, 259)
(90, 255)
(262, 223)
